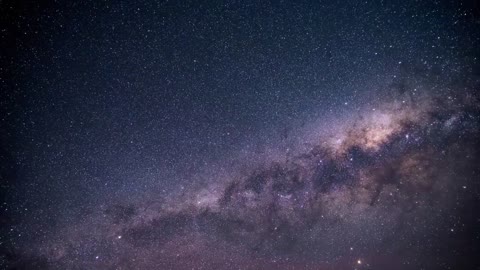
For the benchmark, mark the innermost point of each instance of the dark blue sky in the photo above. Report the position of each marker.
(107, 97)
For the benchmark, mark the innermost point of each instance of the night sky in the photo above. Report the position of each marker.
(240, 134)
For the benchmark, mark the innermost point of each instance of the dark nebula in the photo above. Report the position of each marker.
(242, 135)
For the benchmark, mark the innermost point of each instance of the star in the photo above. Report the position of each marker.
(247, 135)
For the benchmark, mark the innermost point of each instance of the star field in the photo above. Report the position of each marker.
(239, 135)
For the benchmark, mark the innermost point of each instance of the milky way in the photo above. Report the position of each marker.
(388, 177)
(240, 136)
